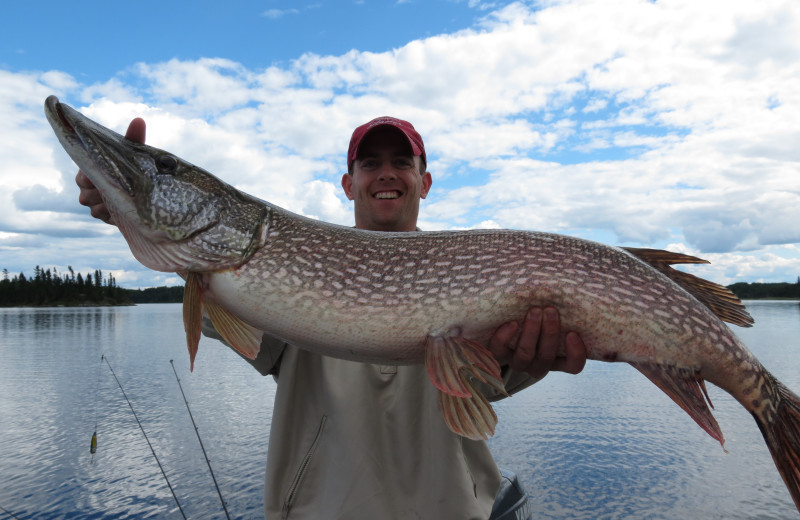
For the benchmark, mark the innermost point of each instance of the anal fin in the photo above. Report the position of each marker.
(244, 338)
(688, 390)
(454, 364)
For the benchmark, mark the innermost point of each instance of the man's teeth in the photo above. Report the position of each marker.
(387, 195)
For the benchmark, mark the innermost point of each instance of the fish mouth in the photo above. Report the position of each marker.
(92, 147)
(56, 113)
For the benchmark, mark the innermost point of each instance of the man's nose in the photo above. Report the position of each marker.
(387, 172)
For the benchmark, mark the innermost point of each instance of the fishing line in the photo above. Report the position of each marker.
(146, 438)
(6, 511)
(197, 431)
(93, 444)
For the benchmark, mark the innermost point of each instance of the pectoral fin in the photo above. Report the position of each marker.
(242, 337)
(471, 417)
(688, 390)
(238, 334)
(192, 314)
(454, 364)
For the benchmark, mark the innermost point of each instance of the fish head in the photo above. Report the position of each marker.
(174, 215)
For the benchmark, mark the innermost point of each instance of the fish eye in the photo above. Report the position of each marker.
(167, 162)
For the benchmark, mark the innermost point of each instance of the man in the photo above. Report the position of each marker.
(352, 440)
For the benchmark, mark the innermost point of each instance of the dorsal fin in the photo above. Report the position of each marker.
(722, 302)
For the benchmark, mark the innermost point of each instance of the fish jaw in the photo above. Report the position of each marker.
(74, 132)
(174, 215)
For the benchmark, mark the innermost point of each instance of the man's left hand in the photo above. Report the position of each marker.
(533, 345)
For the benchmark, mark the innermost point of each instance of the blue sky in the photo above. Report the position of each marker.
(94, 40)
(652, 124)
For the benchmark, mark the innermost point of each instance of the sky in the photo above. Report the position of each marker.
(671, 124)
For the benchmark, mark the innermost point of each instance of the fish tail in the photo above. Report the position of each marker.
(781, 432)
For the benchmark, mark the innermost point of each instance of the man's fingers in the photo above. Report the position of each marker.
(575, 355)
(501, 343)
(90, 196)
(101, 212)
(526, 349)
(549, 336)
(83, 181)
(136, 130)
(531, 328)
(534, 345)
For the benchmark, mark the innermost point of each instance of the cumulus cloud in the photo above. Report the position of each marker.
(640, 123)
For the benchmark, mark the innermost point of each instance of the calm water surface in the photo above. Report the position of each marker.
(604, 444)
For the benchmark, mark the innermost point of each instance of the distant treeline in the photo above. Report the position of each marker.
(156, 294)
(48, 287)
(755, 291)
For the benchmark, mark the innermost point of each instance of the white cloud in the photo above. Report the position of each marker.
(205, 86)
(595, 105)
(773, 263)
(278, 13)
(645, 123)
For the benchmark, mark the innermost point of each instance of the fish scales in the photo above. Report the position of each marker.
(401, 281)
(432, 297)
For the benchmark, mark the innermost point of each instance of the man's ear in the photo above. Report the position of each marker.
(347, 185)
(427, 180)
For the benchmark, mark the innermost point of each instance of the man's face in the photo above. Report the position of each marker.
(386, 184)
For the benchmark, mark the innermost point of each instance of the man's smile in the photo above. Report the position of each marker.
(392, 194)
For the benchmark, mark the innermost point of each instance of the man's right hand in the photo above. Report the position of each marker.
(90, 195)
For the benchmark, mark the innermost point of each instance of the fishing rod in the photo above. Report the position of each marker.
(103, 357)
(197, 432)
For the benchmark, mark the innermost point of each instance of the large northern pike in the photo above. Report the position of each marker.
(432, 297)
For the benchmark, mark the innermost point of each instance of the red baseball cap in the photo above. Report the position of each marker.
(414, 139)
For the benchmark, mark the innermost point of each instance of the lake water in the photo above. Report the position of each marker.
(603, 444)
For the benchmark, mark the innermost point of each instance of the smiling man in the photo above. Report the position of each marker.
(352, 440)
(391, 175)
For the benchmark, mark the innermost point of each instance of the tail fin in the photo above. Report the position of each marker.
(782, 436)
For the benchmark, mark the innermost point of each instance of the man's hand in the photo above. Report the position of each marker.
(89, 195)
(533, 346)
